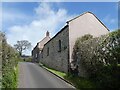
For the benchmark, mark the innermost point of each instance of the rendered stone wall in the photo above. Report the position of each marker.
(84, 24)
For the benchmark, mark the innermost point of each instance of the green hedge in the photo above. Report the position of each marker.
(9, 65)
(100, 57)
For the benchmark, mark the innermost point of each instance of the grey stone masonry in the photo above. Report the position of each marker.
(55, 58)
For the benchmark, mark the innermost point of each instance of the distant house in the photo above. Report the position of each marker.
(38, 48)
(57, 51)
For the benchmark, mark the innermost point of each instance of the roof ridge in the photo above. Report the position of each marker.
(42, 39)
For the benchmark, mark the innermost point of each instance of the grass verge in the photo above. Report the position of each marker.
(78, 82)
(60, 74)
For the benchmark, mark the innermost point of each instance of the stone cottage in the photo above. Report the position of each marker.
(57, 51)
(38, 48)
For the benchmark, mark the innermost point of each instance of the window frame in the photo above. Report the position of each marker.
(59, 46)
(48, 51)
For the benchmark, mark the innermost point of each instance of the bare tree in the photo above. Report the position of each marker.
(22, 46)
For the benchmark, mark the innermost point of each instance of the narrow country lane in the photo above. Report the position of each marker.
(33, 76)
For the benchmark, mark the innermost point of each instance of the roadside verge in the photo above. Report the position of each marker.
(54, 72)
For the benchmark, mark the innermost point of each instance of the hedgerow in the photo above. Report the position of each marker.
(9, 64)
(99, 57)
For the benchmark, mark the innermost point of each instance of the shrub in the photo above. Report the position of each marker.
(79, 41)
(9, 63)
(99, 57)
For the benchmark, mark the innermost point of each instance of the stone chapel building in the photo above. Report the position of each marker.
(57, 51)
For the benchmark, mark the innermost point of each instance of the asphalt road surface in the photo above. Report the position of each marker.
(34, 76)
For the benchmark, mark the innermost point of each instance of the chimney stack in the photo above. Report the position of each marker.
(47, 34)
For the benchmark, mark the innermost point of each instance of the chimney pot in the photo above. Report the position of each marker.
(47, 33)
